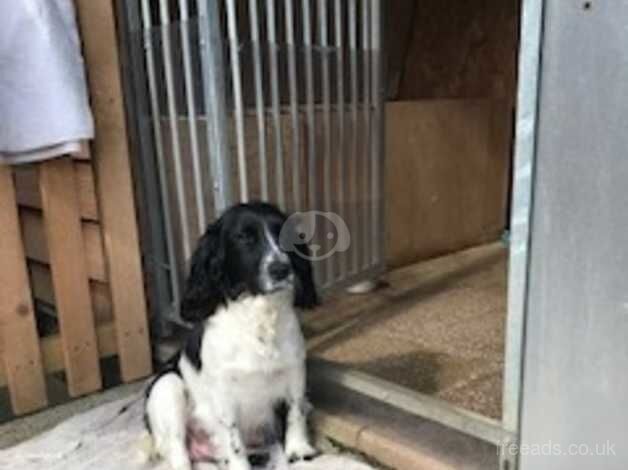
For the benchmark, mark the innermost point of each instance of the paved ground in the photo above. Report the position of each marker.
(438, 328)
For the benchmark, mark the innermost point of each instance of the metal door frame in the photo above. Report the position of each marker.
(500, 433)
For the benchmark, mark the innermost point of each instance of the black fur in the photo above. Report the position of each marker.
(192, 348)
(225, 263)
(171, 367)
(305, 294)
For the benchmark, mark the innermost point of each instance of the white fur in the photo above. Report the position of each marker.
(273, 254)
(253, 355)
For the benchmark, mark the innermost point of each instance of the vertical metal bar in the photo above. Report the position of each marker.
(340, 113)
(309, 92)
(174, 125)
(234, 49)
(163, 180)
(378, 135)
(324, 50)
(142, 141)
(192, 116)
(274, 83)
(259, 96)
(214, 99)
(525, 150)
(294, 106)
(366, 138)
(353, 64)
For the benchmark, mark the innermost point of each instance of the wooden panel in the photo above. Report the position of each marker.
(28, 195)
(41, 284)
(36, 246)
(460, 49)
(52, 350)
(114, 186)
(69, 276)
(447, 169)
(18, 334)
(399, 19)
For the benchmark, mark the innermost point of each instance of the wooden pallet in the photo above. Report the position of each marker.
(69, 242)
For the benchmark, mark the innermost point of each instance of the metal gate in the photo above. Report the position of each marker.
(276, 100)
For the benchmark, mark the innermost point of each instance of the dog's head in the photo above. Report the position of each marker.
(240, 254)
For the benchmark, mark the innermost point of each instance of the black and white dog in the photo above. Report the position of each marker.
(246, 354)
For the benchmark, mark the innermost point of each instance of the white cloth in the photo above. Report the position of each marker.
(44, 106)
(109, 437)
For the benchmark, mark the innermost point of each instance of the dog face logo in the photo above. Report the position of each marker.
(302, 228)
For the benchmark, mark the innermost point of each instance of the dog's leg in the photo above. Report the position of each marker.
(221, 418)
(298, 446)
(166, 409)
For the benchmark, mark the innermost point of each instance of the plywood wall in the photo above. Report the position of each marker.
(452, 49)
(447, 176)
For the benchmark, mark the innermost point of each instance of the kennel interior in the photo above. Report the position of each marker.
(399, 117)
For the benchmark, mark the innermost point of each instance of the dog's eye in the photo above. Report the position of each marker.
(246, 237)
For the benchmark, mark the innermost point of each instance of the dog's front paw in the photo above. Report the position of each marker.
(238, 464)
(300, 451)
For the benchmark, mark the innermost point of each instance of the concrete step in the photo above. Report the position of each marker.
(393, 438)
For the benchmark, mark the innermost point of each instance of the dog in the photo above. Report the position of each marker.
(245, 357)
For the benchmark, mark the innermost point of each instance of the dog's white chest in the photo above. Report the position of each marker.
(250, 351)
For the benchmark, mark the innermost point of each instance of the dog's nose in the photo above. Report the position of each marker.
(279, 270)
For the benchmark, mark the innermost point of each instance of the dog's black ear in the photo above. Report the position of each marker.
(305, 294)
(204, 286)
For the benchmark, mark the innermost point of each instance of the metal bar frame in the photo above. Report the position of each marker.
(525, 149)
(340, 113)
(410, 401)
(309, 107)
(191, 115)
(495, 432)
(234, 49)
(323, 46)
(166, 49)
(259, 96)
(353, 68)
(148, 196)
(271, 28)
(378, 145)
(505, 431)
(215, 107)
(366, 137)
(294, 106)
(163, 180)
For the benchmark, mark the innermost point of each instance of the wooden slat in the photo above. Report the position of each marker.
(36, 247)
(41, 285)
(114, 186)
(69, 276)
(22, 360)
(28, 195)
(52, 350)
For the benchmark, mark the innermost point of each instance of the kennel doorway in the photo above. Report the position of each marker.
(234, 100)
(278, 100)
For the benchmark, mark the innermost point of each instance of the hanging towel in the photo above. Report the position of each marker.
(44, 107)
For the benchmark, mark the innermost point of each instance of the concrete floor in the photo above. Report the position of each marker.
(437, 327)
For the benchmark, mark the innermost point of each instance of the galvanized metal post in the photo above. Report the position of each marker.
(215, 106)
(192, 116)
(378, 144)
(525, 147)
(173, 264)
(147, 177)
